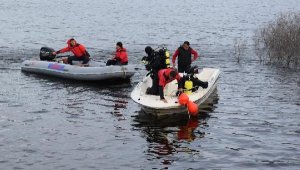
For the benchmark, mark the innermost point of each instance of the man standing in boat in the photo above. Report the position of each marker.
(79, 51)
(184, 53)
(120, 58)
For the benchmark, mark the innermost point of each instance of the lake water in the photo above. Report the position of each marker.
(252, 121)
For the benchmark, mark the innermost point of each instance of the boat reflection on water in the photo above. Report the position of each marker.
(118, 106)
(80, 98)
(186, 132)
(169, 134)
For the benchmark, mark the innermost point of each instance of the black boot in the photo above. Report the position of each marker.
(148, 91)
(200, 83)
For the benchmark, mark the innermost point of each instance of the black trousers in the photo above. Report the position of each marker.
(200, 83)
(114, 62)
(85, 59)
(183, 68)
(154, 89)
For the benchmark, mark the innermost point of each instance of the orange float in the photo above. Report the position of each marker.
(183, 99)
(192, 108)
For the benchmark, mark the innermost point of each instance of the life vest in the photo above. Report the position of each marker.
(121, 55)
(184, 56)
(78, 49)
(163, 77)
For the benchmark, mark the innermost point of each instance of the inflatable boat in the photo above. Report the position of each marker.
(95, 71)
(151, 104)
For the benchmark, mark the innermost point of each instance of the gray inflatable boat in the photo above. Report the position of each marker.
(94, 72)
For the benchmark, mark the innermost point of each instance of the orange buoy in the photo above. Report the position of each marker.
(183, 99)
(192, 108)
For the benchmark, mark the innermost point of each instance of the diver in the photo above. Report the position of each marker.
(191, 83)
(155, 61)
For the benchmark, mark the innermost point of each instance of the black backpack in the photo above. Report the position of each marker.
(158, 60)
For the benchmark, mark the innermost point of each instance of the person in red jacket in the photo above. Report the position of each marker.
(120, 57)
(79, 51)
(165, 76)
(184, 54)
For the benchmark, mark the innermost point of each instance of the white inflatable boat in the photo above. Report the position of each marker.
(94, 72)
(152, 104)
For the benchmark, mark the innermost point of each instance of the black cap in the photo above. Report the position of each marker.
(119, 44)
(187, 43)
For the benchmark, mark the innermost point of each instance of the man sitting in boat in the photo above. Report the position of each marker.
(79, 51)
(165, 76)
(154, 61)
(120, 57)
(184, 53)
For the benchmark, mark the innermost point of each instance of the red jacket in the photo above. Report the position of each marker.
(78, 50)
(163, 76)
(121, 55)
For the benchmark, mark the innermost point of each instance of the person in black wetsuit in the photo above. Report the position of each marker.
(155, 61)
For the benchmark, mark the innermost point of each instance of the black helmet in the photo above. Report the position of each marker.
(148, 50)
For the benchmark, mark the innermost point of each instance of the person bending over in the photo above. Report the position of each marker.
(165, 76)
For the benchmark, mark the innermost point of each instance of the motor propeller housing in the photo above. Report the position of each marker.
(46, 54)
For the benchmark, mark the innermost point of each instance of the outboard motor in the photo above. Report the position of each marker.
(46, 54)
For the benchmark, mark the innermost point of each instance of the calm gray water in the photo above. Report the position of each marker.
(252, 121)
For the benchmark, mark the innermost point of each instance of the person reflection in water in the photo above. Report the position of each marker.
(187, 132)
(163, 146)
